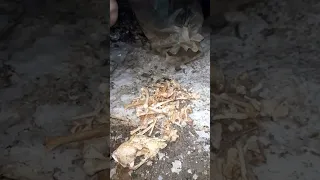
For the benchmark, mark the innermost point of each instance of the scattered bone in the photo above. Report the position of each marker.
(256, 104)
(137, 145)
(242, 161)
(52, 143)
(165, 105)
(162, 103)
(94, 156)
(257, 88)
(217, 168)
(231, 163)
(173, 136)
(226, 99)
(230, 116)
(238, 106)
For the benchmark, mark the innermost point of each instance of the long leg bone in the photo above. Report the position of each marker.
(54, 142)
(140, 164)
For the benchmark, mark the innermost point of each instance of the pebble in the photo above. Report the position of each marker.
(176, 166)
(195, 176)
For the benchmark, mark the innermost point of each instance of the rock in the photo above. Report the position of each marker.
(176, 166)
(195, 176)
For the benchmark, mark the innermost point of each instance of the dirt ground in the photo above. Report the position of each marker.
(133, 67)
(52, 65)
(275, 44)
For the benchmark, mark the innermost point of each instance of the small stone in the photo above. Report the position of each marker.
(195, 176)
(149, 163)
(176, 166)
(161, 155)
